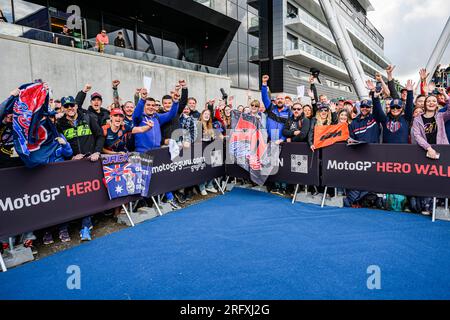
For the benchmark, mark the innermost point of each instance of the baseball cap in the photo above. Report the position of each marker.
(348, 102)
(323, 106)
(397, 102)
(96, 95)
(116, 111)
(366, 102)
(341, 99)
(67, 100)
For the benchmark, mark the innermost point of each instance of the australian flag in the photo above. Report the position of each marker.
(34, 134)
(121, 177)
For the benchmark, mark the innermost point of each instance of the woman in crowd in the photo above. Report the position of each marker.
(308, 111)
(344, 116)
(189, 126)
(323, 118)
(208, 135)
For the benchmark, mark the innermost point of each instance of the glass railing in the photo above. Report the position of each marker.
(90, 45)
(316, 52)
(364, 40)
(369, 61)
(312, 22)
(217, 5)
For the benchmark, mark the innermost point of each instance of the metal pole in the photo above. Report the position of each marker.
(2, 263)
(295, 193)
(324, 196)
(218, 185)
(128, 215)
(157, 206)
(306, 190)
(344, 49)
(434, 209)
(439, 49)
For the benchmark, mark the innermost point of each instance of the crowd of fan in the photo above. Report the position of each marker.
(146, 124)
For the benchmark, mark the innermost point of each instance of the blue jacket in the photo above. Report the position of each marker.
(395, 130)
(152, 138)
(62, 152)
(365, 129)
(447, 124)
(274, 128)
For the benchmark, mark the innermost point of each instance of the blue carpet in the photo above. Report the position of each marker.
(251, 245)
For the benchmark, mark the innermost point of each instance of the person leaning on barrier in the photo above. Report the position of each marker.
(85, 136)
(364, 127)
(65, 38)
(297, 127)
(323, 118)
(395, 124)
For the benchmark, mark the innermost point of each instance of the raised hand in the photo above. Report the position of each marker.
(390, 70)
(431, 87)
(182, 83)
(87, 88)
(143, 92)
(265, 79)
(311, 94)
(115, 83)
(311, 79)
(423, 74)
(15, 92)
(370, 85)
(410, 85)
(149, 123)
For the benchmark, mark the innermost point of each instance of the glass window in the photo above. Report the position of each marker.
(253, 74)
(232, 10)
(6, 9)
(233, 65)
(243, 28)
(243, 66)
(149, 40)
(292, 42)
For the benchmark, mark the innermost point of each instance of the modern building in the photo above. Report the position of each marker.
(299, 38)
(212, 36)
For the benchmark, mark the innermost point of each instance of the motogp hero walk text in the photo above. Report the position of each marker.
(391, 167)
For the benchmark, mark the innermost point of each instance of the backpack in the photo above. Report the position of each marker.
(395, 202)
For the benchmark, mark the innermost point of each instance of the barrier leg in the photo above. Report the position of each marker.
(2, 263)
(434, 209)
(136, 204)
(131, 207)
(446, 206)
(226, 183)
(157, 206)
(219, 186)
(128, 215)
(306, 189)
(11, 244)
(324, 196)
(295, 193)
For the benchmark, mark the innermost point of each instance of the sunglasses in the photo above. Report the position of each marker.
(396, 107)
(297, 109)
(67, 106)
(365, 107)
(323, 110)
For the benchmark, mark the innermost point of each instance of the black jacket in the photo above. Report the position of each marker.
(301, 124)
(101, 117)
(84, 138)
(174, 124)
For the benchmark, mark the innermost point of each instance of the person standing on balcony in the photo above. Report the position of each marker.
(65, 38)
(101, 41)
(119, 41)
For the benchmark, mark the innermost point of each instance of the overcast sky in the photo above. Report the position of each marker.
(411, 29)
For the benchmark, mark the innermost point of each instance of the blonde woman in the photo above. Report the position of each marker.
(322, 118)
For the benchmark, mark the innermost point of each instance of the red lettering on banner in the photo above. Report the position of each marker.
(381, 167)
(82, 188)
(71, 190)
(422, 169)
(389, 167)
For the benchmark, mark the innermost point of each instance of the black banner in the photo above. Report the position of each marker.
(199, 164)
(297, 165)
(33, 199)
(387, 168)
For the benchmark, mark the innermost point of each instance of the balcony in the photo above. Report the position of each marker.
(373, 67)
(308, 55)
(311, 28)
(253, 3)
(253, 54)
(89, 45)
(253, 27)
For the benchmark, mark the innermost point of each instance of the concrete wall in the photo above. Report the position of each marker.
(67, 70)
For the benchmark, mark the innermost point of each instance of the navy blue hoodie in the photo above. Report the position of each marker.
(365, 129)
(395, 130)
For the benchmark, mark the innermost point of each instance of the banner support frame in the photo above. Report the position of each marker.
(2, 263)
(128, 215)
(434, 210)
(219, 186)
(324, 196)
(295, 193)
(157, 206)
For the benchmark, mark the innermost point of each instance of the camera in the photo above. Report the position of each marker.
(378, 87)
(224, 95)
(315, 73)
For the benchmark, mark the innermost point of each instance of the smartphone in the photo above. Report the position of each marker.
(379, 87)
